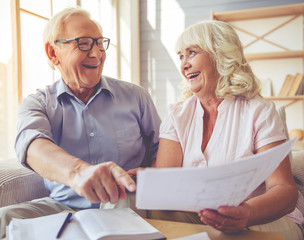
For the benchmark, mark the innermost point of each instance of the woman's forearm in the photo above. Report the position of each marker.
(274, 204)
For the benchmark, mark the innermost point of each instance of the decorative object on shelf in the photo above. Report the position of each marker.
(297, 133)
(296, 84)
(266, 86)
(292, 85)
(300, 90)
(286, 85)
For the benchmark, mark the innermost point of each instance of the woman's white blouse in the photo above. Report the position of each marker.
(242, 127)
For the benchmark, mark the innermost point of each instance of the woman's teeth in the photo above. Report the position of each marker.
(193, 75)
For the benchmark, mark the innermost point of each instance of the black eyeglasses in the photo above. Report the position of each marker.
(87, 43)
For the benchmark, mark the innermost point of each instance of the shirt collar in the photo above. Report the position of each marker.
(199, 108)
(101, 86)
(105, 86)
(62, 88)
(221, 106)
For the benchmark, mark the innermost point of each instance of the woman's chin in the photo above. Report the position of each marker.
(195, 90)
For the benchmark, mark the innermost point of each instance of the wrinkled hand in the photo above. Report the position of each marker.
(105, 182)
(226, 219)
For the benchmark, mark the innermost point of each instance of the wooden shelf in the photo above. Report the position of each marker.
(275, 55)
(291, 100)
(298, 98)
(258, 13)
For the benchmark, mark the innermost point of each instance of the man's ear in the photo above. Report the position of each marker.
(51, 54)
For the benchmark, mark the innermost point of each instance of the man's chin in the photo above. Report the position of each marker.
(92, 79)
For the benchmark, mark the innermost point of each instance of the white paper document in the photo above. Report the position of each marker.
(194, 189)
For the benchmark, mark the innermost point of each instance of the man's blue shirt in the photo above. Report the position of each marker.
(119, 123)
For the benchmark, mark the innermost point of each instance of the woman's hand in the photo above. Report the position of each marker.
(134, 171)
(227, 219)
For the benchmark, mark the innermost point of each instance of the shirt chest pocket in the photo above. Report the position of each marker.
(129, 142)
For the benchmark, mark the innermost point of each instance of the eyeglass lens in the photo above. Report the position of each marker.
(86, 44)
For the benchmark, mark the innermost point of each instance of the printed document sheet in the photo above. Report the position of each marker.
(194, 189)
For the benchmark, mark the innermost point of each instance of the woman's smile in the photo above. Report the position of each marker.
(193, 76)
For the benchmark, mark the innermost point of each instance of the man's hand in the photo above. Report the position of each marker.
(227, 219)
(105, 182)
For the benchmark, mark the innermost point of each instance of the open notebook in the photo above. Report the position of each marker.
(92, 224)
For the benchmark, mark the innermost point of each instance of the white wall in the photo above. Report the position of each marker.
(161, 23)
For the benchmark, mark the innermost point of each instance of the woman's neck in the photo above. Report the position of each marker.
(210, 105)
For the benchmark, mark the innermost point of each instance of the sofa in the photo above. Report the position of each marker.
(19, 184)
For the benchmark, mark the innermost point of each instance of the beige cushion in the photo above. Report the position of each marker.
(297, 164)
(297, 167)
(19, 184)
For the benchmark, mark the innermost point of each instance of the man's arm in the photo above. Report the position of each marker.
(150, 123)
(105, 182)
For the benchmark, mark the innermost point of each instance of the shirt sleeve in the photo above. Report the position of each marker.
(269, 126)
(32, 123)
(167, 129)
(150, 123)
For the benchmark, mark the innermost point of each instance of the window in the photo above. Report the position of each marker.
(23, 63)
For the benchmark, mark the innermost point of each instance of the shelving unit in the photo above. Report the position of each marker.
(293, 11)
(258, 13)
(275, 55)
(291, 100)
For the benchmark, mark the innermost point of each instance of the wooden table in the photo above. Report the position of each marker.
(173, 230)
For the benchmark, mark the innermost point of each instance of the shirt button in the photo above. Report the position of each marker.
(92, 134)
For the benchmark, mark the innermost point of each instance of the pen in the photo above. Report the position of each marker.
(65, 223)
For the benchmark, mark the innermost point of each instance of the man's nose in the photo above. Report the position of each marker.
(95, 50)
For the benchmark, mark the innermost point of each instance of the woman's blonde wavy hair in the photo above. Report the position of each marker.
(54, 27)
(221, 41)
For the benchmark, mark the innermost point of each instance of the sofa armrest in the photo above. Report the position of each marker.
(19, 184)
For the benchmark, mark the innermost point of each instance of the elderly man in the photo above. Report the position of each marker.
(82, 133)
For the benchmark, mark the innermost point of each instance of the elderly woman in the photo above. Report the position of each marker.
(224, 119)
